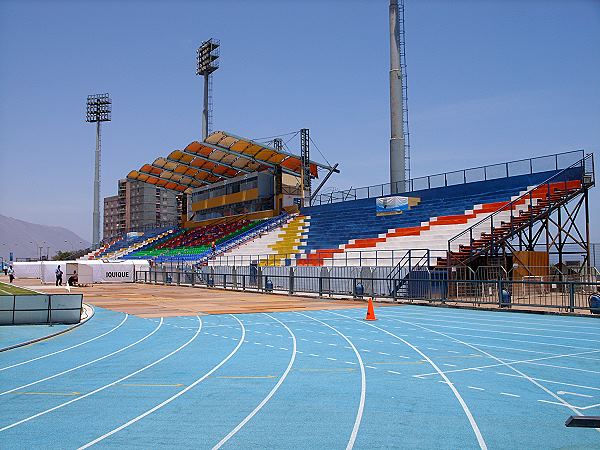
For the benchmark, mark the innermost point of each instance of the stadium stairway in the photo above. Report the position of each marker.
(350, 233)
(284, 238)
(508, 220)
(287, 244)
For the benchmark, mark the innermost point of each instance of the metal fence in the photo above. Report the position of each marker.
(360, 282)
(348, 258)
(490, 172)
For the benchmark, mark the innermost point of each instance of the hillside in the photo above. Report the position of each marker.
(25, 238)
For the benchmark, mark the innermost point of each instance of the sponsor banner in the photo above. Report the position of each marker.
(112, 274)
(385, 206)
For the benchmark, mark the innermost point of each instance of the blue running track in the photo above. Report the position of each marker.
(417, 377)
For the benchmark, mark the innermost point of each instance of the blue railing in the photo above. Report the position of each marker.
(527, 166)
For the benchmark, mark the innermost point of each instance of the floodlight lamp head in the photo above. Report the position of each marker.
(207, 57)
(98, 108)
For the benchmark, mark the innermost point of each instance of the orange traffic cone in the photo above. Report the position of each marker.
(370, 311)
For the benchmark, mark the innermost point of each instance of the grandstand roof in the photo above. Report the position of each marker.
(222, 156)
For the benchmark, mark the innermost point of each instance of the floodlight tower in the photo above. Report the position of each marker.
(207, 59)
(99, 108)
(399, 138)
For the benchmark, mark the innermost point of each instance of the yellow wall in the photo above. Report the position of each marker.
(250, 216)
(238, 197)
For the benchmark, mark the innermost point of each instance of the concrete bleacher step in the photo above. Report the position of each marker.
(431, 224)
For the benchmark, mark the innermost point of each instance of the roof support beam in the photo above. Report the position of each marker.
(251, 142)
(248, 157)
(210, 172)
(185, 152)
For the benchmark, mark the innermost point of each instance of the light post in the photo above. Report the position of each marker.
(98, 109)
(207, 61)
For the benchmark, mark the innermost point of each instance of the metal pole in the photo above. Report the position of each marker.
(397, 144)
(205, 109)
(96, 213)
(587, 230)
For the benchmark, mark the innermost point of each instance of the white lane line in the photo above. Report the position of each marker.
(65, 349)
(552, 403)
(393, 371)
(551, 381)
(574, 393)
(587, 407)
(384, 353)
(312, 354)
(509, 394)
(476, 388)
(331, 359)
(507, 339)
(512, 333)
(464, 406)
(490, 322)
(363, 382)
(450, 365)
(350, 362)
(269, 345)
(270, 394)
(371, 367)
(106, 386)
(282, 348)
(564, 367)
(546, 390)
(487, 366)
(87, 363)
(178, 394)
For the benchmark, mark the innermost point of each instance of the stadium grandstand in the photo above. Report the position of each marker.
(249, 207)
(240, 212)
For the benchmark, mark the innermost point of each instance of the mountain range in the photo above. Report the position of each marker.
(24, 239)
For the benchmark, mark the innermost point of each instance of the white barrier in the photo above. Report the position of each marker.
(88, 272)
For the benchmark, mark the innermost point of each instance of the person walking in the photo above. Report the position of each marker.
(11, 273)
(59, 274)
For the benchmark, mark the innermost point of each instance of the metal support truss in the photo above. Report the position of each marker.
(563, 233)
(305, 168)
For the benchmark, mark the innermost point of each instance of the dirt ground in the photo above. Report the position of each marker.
(166, 301)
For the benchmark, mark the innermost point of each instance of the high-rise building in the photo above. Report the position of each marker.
(139, 206)
(111, 217)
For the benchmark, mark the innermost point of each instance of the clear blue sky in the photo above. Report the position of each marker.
(488, 81)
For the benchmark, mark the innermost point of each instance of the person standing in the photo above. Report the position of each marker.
(11, 273)
(59, 274)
